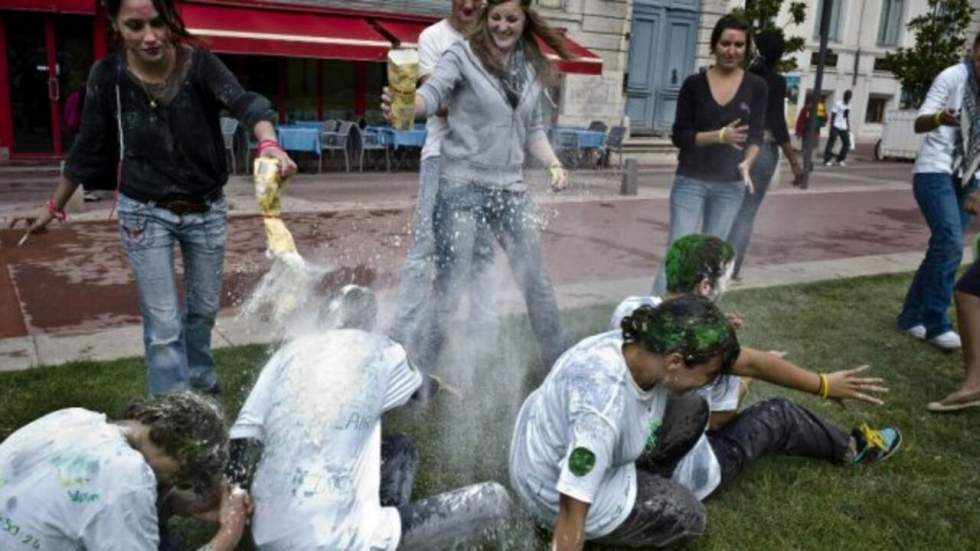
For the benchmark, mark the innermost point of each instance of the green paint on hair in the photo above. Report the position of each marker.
(693, 258)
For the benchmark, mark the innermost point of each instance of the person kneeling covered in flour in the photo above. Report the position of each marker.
(308, 444)
(75, 480)
(702, 265)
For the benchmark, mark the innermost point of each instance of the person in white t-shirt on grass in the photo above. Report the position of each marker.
(75, 480)
(308, 444)
(702, 265)
(602, 408)
(840, 127)
(950, 149)
(410, 323)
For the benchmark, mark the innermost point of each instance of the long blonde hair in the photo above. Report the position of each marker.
(482, 43)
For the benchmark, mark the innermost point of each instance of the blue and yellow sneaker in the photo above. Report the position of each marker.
(875, 445)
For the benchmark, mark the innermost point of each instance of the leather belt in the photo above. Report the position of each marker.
(184, 206)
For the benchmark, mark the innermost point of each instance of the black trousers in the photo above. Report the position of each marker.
(665, 513)
(845, 147)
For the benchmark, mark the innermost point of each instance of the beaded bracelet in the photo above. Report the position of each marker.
(266, 144)
(56, 211)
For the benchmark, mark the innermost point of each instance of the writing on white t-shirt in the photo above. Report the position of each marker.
(70, 481)
(317, 408)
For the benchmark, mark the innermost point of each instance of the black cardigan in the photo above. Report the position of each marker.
(697, 111)
(173, 149)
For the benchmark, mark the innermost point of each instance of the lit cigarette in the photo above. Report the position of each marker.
(24, 239)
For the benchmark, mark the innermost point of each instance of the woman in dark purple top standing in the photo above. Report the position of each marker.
(718, 129)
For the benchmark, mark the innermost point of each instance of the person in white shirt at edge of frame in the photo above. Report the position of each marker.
(943, 178)
(308, 443)
(75, 480)
(596, 446)
(839, 128)
(409, 324)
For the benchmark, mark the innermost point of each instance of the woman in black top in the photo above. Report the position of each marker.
(151, 129)
(771, 46)
(718, 128)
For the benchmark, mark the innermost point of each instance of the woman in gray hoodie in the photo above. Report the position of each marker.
(492, 85)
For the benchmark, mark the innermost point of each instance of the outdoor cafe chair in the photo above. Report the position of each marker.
(229, 127)
(337, 141)
(614, 144)
(372, 140)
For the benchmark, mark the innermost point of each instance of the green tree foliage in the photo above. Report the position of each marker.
(940, 36)
(762, 15)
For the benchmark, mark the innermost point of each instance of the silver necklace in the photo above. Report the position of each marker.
(149, 96)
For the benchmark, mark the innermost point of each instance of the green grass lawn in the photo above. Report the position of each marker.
(925, 497)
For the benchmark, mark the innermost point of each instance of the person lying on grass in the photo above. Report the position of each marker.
(324, 477)
(702, 265)
(75, 480)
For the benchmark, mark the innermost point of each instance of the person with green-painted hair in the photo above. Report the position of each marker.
(596, 447)
(591, 443)
(702, 265)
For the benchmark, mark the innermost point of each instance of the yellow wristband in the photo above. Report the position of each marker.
(721, 134)
(939, 118)
(824, 386)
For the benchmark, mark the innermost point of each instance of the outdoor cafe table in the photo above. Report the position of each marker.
(583, 139)
(299, 138)
(401, 140)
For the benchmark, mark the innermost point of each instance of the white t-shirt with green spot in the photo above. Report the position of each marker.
(70, 481)
(580, 433)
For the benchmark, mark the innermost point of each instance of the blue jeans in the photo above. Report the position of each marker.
(414, 307)
(762, 172)
(699, 206)
(177, 338)
(941, 201)
(466, 210)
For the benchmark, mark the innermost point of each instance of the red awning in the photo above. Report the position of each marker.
(584, 63)
(84, 7)
(405, 32)
(290, 33)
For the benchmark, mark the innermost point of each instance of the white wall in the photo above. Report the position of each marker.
(601, 26)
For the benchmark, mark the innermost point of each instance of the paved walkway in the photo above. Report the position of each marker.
(68, 294)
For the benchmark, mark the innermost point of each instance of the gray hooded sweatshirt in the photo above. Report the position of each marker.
(487, 137)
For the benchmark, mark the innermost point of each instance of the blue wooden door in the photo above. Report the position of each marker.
(662, 43)
(643, 67)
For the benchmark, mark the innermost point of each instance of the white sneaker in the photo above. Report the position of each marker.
(949, 340)
(828, 163)
(841, 163)
(917, 331)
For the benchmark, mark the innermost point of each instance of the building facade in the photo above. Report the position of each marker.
(315, 59)
(861, 33)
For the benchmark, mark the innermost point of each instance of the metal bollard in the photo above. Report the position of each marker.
(630, 178)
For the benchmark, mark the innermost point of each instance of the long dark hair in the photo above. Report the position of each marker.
(482, 43)
(167, 10)
(771, 46)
